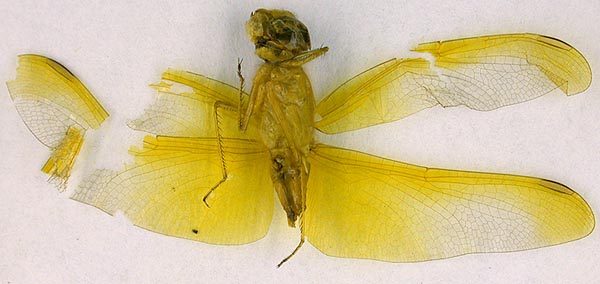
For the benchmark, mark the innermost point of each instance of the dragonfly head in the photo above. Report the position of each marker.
(277, 34)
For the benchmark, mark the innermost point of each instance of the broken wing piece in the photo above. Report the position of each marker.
(163, 190)
(363, 206)
(482, 73)
(57, 108)
(185, 106)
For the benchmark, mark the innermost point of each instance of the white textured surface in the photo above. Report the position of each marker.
(118, 50)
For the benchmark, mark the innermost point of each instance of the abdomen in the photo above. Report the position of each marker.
(287, 131)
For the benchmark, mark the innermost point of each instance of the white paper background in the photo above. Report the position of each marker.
(118, 49)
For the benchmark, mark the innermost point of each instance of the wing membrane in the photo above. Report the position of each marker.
(57, 108)
(185, 106)
(389, 91)
(50, 99)
(482, 73)
(364, 206)
(163, 190)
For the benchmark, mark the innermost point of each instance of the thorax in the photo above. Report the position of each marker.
(287, 106)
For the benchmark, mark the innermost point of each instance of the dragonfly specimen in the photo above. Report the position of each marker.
(215, 153)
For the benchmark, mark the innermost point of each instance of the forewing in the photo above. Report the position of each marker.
(185, 106)
(482, 73)
(57, 108)
(163, 190)
(50, 99)
(362, 206)
(387, 92)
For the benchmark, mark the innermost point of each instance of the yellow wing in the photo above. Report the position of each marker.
(364, 206)
(57, 108)
(163, 189)
(482, 73)
(185, 106)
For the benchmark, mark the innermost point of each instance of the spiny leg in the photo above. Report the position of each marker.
(225, 106)
(241, 77)
(217, 105)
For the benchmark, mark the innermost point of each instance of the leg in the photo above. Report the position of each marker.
(225, 106)
(239, 73)
(218, 105)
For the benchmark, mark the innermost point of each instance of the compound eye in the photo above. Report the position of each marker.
(282, 31)
(291, 32)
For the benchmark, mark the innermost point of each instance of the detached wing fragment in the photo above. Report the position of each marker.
(362, 206)
(482, 73)
(162, 190)
(57, 108)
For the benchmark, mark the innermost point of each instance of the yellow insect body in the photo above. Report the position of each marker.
(284, 103)
(286, 117)
(208, 171)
